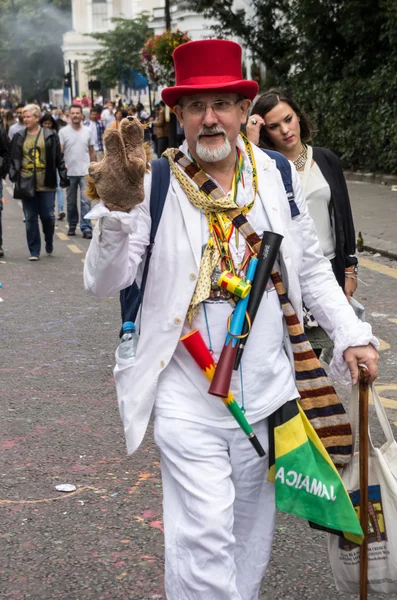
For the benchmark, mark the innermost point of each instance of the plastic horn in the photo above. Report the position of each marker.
(224, 369)
(198, 350)
(270, 246)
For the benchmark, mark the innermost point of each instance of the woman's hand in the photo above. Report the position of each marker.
(254, 125)
(350, 286)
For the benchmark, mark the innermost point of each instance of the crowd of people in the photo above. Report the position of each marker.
(53, 147)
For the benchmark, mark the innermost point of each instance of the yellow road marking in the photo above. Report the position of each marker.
(62, 236)
(75, 249)
(374, 266)
(393, 320)
(383, 345)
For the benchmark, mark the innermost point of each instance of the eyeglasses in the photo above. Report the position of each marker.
(220, 107)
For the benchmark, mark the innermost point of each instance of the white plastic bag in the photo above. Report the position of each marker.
(358, 308)
(382, 506)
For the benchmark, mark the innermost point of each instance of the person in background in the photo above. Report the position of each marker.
(77, 143)
(98, 129)
(48, 121)
(59, 117)
(4, 166)
(67, 118)
(108, 113)
(85, 101)
(35, 158)
(142, 115)
(278, 123)
(18, 125)
(9, 120)
(98, 100)
(120, 115)
(86, 114)
(161, 130)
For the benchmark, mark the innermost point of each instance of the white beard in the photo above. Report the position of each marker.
(212, 155)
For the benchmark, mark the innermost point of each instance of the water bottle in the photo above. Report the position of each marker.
(129, 342)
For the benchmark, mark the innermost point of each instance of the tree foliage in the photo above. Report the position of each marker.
(338, 57)
(30, 49)
(120, 50)
(157, 56)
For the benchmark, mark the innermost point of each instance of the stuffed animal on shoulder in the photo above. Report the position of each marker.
(118, 179)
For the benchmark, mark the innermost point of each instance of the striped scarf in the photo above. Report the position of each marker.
(318, 397)
(318, 400)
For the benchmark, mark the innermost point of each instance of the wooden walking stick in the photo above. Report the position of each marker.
(364, 448)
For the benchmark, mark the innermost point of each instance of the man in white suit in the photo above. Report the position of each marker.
(219, 508)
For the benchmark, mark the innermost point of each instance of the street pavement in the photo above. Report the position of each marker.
(60, 424)
(375, 215)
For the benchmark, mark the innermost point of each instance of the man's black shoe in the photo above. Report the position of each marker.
(1, 251)
(49, 248)
(87, 234)
(72, 231)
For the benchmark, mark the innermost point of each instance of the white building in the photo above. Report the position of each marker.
(90, 16)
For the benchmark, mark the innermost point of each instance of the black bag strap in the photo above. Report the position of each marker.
(132, 296)
(34, 155)
(158, 194)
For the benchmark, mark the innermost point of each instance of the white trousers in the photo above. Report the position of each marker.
(219, 510)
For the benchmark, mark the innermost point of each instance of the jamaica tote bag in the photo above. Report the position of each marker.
(382, 508)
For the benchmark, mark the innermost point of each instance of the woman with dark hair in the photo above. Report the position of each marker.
(278, 123)
(120, 114)
(48, 121)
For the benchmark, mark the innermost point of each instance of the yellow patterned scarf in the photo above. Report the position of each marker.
(210, 200)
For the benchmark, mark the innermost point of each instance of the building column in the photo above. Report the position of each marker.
(89, 16)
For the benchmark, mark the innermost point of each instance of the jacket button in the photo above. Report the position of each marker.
(162, 364)
(192, 276)
(177, 321)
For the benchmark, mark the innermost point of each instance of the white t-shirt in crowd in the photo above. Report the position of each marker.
(318, 197)
(76, 143)
(108, 117)
(16, 128)
(268, 380)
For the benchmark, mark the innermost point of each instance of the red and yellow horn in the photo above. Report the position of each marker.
(197, 348)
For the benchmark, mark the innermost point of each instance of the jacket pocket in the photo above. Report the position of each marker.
(123, 374)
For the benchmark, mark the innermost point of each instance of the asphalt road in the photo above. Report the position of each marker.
(60, 424)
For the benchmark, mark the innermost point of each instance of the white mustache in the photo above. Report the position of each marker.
(211, 131)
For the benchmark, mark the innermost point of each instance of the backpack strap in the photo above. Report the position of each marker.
(158, 193)
(132, 296)
(284, 167)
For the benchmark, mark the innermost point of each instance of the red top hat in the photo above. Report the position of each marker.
(208, 65)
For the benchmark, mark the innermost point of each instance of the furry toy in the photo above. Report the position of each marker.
(118, 178)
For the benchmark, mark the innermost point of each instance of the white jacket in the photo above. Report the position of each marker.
(118, 247)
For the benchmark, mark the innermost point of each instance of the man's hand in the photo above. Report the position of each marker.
(366, 355)
(118, 178)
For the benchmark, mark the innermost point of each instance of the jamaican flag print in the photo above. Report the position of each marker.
(307, 483)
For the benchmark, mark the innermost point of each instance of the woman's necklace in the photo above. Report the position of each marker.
(302, 158)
